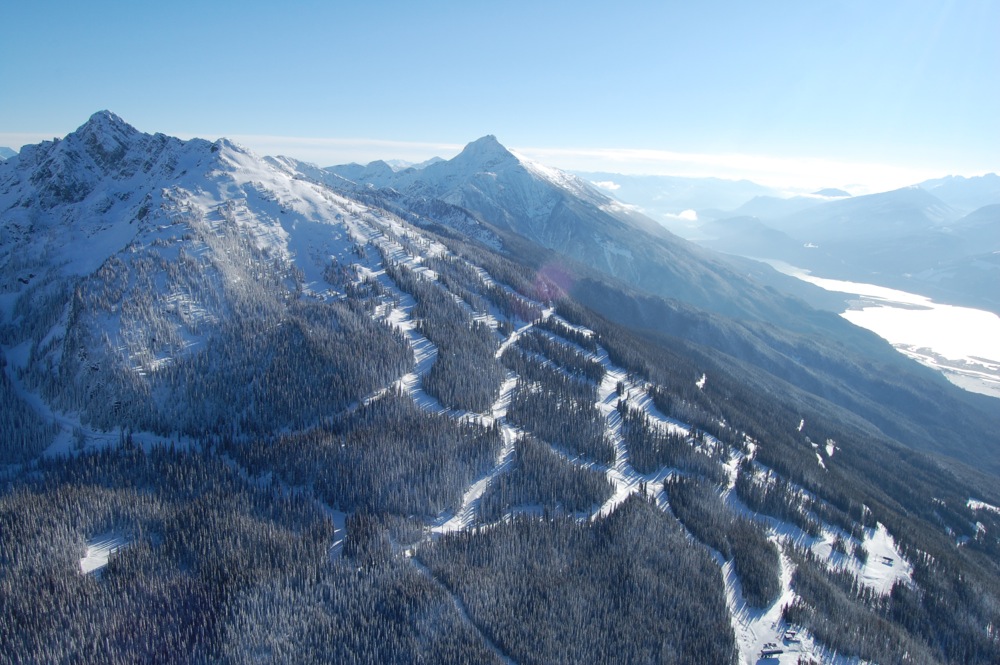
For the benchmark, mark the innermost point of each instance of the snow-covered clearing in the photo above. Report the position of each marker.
(758, 629)
(885, 565)
(100, 550)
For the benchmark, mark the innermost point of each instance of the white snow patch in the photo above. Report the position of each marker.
(982, 505)
(886, 564)
(701, 382)
(99, 551)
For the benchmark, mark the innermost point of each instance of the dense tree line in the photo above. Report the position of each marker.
(466, 373)
(511, 305)
(534, 369)
(382, 612)
(539, 477)
(755, 558)
(563, 356)
(986, 538)
(196, 535)
(23, 433)
(521, 278)
(626, 588)
(947, 608)
(461, 279)
(557, 327)
(560, 410)
(651, 448)
(773, 495)
(387, 456)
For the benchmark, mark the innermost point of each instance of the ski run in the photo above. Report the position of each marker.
(761, 634)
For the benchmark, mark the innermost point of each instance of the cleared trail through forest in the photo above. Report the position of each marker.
(753, 627)
(462, 611)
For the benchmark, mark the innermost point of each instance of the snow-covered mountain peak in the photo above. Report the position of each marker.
(380, 168)
(105, 136)
(484, 153)
(106, 123)
(488, 155)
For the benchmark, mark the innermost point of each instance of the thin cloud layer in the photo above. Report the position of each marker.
(794, 174)
(781, 172)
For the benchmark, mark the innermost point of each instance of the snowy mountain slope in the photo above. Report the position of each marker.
(189, 248)
(753, 627)
(895, 230)
(567, 215)
(907, 239)
(388, 424)
(770, 207)
(601, 253)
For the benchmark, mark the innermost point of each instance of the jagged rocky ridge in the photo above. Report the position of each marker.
(321, 432)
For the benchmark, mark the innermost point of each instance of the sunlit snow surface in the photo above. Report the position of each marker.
(99, 551)
(982, 505)
(961, 342)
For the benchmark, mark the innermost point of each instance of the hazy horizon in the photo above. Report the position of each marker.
(799, 95)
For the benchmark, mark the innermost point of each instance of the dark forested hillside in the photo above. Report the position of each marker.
(629, 588)
(253, 412)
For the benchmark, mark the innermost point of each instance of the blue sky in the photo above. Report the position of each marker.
(811, 93)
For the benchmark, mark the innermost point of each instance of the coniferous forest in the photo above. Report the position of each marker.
(297, 418)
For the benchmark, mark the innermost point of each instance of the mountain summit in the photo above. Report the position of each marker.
(483, 152)
(511, 194)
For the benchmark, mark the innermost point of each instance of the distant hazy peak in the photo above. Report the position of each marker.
(967, 194)
(831, 193)
(402, 164)
(7, 153)
(952, 179)
(380, 167)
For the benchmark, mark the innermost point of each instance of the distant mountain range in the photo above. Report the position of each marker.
(666, 198)
(6, 153)
(908, 238)
(966, 194)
